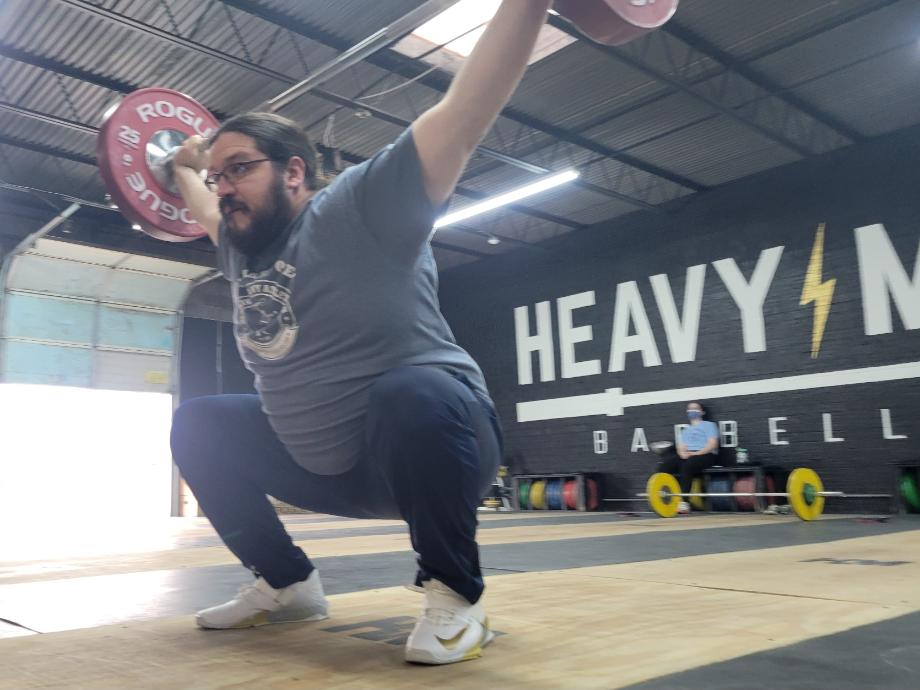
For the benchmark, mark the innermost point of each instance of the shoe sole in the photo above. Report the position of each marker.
(261, 619)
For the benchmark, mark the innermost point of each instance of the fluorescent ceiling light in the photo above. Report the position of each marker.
(507, 198)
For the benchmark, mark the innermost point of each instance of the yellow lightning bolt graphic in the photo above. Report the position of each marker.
(814, 290)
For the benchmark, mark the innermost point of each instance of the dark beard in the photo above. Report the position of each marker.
(264, 225)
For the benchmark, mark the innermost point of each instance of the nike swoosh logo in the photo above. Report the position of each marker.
(453, 641)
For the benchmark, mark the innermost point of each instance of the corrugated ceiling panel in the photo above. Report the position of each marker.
(145, 60)
(577, 84)
(408, 101)
(359, 79)
(743, 28)
(206, 81)
(41, 171)
(212, 24)
(632, 182)
(14, 159)
(360, 136)
(649, 122)
(181, 16)
(665, 53)
(508, 136)
(353, 20)
(887, 98)
(716, 151)
(312, 113)
(32, 130)
(895, 26)
(40, 90)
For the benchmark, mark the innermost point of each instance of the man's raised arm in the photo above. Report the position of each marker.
(448, 133)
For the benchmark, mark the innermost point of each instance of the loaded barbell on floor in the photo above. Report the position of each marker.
(804, 489)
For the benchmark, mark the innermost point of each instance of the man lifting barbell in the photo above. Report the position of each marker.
(366, 405)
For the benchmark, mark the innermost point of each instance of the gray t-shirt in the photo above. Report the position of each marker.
(351, 295)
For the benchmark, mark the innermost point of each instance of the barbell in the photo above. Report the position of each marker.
(140, 134)
(804, 489)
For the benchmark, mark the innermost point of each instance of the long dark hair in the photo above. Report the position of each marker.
(279, 139)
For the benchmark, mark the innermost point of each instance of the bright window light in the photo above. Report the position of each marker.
(79, 456)
(507, 198)
(459, 27)
(457, 21)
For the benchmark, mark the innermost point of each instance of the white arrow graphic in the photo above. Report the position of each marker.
(613, 401)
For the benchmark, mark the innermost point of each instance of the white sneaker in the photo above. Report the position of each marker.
(450, 628)
(261, 604)
(683, 508)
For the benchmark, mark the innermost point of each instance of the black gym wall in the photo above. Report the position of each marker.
(851, 434)
(210, 363)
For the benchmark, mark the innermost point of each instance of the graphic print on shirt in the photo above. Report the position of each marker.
(265, 321)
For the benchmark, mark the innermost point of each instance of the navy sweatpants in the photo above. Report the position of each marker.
(432, 449)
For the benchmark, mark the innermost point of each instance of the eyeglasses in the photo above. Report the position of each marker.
(233, 173)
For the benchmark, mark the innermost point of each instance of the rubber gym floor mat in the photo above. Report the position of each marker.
(880, 655)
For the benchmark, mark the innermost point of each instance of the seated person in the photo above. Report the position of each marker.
(696, 451)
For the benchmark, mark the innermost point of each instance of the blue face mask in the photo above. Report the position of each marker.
(693, 415)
